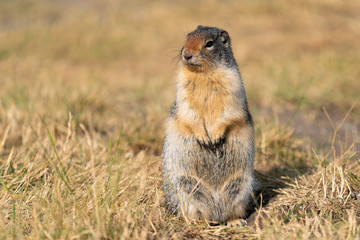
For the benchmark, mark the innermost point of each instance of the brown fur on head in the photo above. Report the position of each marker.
(194, 43)
(207, 47)
(191, 55)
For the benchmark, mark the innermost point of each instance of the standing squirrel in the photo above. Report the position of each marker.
(208, 151)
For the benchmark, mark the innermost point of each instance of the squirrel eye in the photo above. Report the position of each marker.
(209, 44)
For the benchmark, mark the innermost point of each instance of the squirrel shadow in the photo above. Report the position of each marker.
(268, 182)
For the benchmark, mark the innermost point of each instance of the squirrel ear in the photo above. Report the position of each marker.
(225, 38)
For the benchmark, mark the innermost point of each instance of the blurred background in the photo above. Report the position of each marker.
(118, 58)
(85, 88)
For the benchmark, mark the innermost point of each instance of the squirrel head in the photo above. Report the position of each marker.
(206, 48)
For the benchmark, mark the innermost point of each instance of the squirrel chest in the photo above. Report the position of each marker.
(207, 93)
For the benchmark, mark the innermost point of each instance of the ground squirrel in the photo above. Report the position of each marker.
(208, 149)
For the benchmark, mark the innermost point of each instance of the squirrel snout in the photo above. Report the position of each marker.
(190, 58)
(187, 55)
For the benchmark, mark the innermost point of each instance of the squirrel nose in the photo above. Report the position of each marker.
(187, 55)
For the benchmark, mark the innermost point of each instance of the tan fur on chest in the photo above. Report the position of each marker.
(206, 93)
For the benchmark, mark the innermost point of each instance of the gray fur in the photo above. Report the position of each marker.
(223, 53)
(210, 182)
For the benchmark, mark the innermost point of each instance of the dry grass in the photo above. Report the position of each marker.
(85, 88)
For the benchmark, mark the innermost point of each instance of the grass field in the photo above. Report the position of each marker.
(86, 87)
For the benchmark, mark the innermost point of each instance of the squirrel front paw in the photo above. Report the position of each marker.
(203, 140)
(217, 138)
(210, 143)
(218, 141)
(212, 140)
